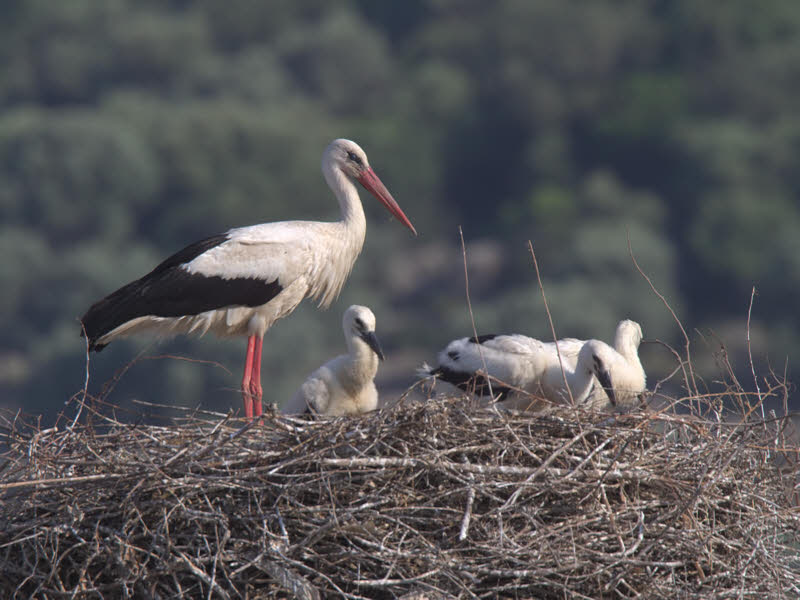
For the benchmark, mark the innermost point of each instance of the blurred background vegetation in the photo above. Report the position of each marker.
(128, 129)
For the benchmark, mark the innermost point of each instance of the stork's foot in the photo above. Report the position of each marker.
(256, 393)
(248, 404)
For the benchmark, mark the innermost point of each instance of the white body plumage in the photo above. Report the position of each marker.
(291, 253)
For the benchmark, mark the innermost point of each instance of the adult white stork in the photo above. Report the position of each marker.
(345, 385)
(240, 282)
(517, 362)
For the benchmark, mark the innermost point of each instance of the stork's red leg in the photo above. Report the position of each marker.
(255, 380)
(247, 377)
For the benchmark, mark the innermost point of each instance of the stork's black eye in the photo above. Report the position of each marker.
(360, 324)
(354, 157)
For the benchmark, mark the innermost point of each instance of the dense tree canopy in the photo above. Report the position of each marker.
(129, 129)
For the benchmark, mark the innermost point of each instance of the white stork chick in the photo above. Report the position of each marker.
(240, 282)
(517, 366)
(517, 363)
(621, 363)
(622, 368)
(345, 385)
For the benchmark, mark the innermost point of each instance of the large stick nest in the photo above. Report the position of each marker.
(435, 499)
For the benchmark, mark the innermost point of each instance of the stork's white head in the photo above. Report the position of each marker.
(629, 334)
(359, 323)
(347, 157)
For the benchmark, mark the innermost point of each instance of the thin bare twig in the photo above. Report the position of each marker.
(691, 385)
(471, 315)
(750, 353)
(550, 321)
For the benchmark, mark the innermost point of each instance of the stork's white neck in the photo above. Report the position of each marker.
(362, 362)
(627, 345)
(349, 200)
(343, 239)
(581, 378)
(580, 382)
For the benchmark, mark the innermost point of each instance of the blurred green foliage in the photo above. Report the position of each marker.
(128, 129)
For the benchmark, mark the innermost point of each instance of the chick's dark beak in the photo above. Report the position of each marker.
(372, 341)
(604, 377)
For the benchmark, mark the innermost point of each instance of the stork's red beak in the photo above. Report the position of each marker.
(375, 187)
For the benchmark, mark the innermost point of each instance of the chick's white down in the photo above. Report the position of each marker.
(345, 385)
(519, 366)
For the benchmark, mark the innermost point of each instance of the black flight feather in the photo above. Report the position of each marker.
(171, 291)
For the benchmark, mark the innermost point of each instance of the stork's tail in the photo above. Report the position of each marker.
(112, 311)
(97, 322)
